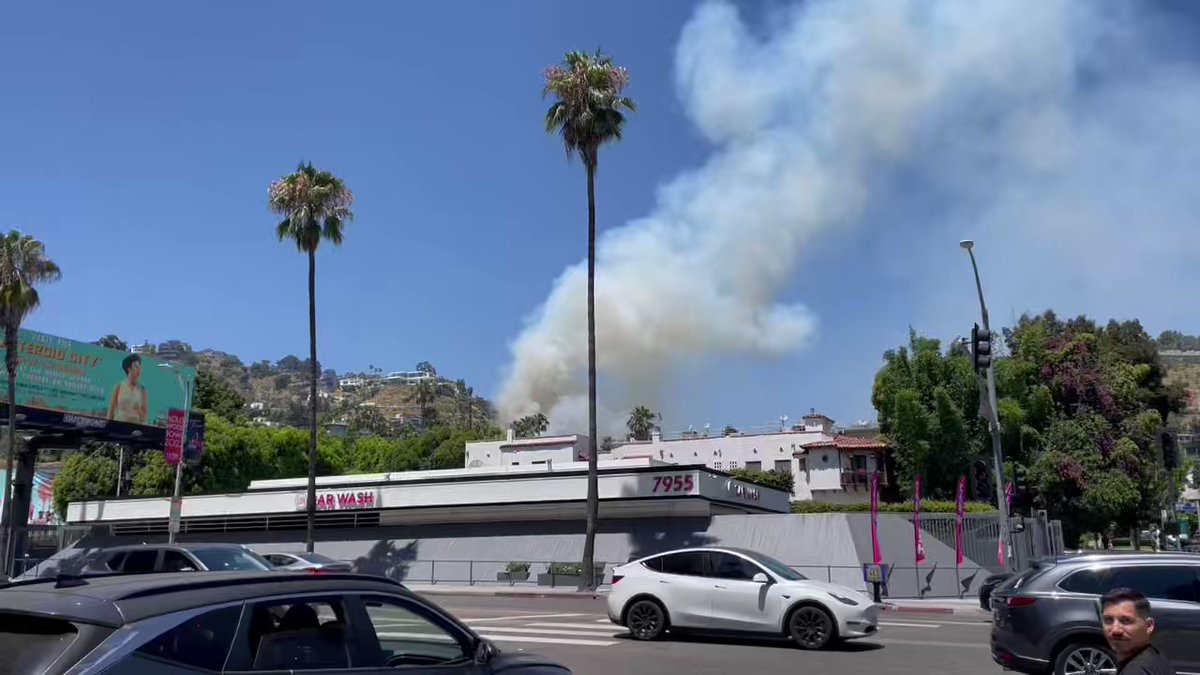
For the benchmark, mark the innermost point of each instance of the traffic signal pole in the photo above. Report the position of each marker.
(991, 412)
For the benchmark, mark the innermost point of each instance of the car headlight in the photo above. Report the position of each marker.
(844, 600)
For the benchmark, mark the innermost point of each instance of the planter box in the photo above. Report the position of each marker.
(512, 576)
(564, 580)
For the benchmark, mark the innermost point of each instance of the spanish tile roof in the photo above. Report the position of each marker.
(842, 442)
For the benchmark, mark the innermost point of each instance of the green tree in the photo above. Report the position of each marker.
(111, 341)
(588, 112)
(315, 206)
(926, 402)
(425, 393)
(215, 395)
(779, 480)
(427, 368)
(531, 425)
(641, 422)
(83, 477)
(23, 267)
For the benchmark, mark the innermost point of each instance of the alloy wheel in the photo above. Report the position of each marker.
(811, 627)
(1088, 660)
(645, 620)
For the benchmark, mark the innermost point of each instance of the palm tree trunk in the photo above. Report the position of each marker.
(593, 496)
(312, 392)
(10, 365)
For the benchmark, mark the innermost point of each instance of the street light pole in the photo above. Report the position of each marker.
(173, 524)
(993, 415)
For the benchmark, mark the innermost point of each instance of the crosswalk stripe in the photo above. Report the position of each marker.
(610, 628)
(549, 640)
(523, 616)
(550, 631)
(900, 624)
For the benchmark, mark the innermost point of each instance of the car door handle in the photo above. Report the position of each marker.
(718, 586)
(663, 581)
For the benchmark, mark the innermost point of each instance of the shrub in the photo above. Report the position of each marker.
(517, 568)
(927, 506)
(779, 480)
(566, 569)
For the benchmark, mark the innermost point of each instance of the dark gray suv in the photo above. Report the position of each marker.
(1047, 619)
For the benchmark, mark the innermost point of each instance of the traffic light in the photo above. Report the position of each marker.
(983, 486)
(981, 349)
(1170, 455)
(1020, 488)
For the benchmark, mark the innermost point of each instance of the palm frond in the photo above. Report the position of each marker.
(586, 111)
(315, 206)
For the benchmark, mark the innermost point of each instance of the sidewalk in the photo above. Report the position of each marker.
(965, 607)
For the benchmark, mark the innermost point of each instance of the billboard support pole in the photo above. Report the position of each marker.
(173, 524)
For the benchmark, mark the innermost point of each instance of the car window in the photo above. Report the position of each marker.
(174, 561)
(230, 560)
(114, 561)
(29, 644)
(781, 570)
(729, 566)
(277, 559)
(406, 636)
(201, 642)
(688, 564)
(1156, 582)
(141, 560)
(300, 634)
(655, 564)
(316, 558)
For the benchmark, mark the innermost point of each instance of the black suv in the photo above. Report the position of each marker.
(1047, 619)
(233, 622)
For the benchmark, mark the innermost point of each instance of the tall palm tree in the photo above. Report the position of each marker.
(641, 422)
(23, 266)
(587, 113)
(315, 206)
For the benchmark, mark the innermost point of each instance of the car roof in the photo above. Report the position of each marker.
(116, 599)
(1125, 556)
(702, 549)
(190, 546)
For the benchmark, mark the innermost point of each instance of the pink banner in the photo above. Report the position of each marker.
(877, 556)
(918, 545)
(1008, 495)
(173, 445)
(960, 510)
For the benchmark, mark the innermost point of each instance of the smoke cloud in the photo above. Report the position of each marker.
(1053, 121)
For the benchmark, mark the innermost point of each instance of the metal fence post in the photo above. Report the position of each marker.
(471, 572)
(432, 572)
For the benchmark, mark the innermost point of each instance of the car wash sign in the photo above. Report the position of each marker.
(341, 500)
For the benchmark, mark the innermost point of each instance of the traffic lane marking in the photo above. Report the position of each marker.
(550, 631)
(612, 627)
(884, 640)
(549, 640)
(521, 617)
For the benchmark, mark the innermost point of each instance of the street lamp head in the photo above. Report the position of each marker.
(967, 244)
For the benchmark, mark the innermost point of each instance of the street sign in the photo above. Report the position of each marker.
(173, 444)
(874, 574)
(176, 510)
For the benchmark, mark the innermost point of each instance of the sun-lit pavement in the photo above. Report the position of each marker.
(577, 633)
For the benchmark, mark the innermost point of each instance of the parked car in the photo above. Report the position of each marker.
(226, 622)
(730, 590)
(307, 561)
(989, 584)
(143, 558)
(1047, 619)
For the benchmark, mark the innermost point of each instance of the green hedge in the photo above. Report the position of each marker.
(927, 506)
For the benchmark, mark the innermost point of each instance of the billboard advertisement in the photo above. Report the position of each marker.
(92, 387)
(41, 502)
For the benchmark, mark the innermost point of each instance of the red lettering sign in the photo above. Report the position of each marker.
(673, 484)
(173, 446)
(351, 500)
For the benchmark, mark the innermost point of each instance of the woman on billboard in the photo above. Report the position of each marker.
(129, 401)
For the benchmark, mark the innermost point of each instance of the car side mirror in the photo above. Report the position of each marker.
(761, 578)
(484, 651)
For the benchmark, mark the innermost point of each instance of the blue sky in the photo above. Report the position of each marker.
(138, 145)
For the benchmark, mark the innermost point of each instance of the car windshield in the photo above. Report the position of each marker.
(777, 568)
(231, 560)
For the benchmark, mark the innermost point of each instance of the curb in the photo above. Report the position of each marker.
(508, 594)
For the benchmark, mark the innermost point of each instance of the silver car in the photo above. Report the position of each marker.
(307, 561)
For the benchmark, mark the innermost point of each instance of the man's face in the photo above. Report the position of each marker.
(1127, 632)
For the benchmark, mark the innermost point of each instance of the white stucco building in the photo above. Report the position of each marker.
(829, 465)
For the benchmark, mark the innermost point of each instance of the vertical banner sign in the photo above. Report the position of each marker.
(877, 556)
(1008, 493)
(919, 546)
(960, 510)
(173, 445)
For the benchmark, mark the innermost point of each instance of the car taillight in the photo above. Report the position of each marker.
(1021, 601)
(316, 571)
(616, 578)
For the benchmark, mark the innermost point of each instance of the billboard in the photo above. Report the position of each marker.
(69, 383)
(41, 502)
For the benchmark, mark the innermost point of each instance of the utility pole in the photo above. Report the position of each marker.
(988, 409)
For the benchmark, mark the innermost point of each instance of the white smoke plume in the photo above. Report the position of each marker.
(989, 101)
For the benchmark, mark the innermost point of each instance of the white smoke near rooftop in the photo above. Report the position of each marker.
(988, 101)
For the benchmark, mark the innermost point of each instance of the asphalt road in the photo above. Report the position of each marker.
(577, 633)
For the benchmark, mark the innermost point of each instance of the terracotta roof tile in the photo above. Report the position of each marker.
(842, 442)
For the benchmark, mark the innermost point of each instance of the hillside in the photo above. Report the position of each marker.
(276, 393)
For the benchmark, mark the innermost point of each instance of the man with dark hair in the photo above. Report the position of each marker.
(1128, 627)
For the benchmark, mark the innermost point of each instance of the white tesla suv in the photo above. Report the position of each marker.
(735, 591)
